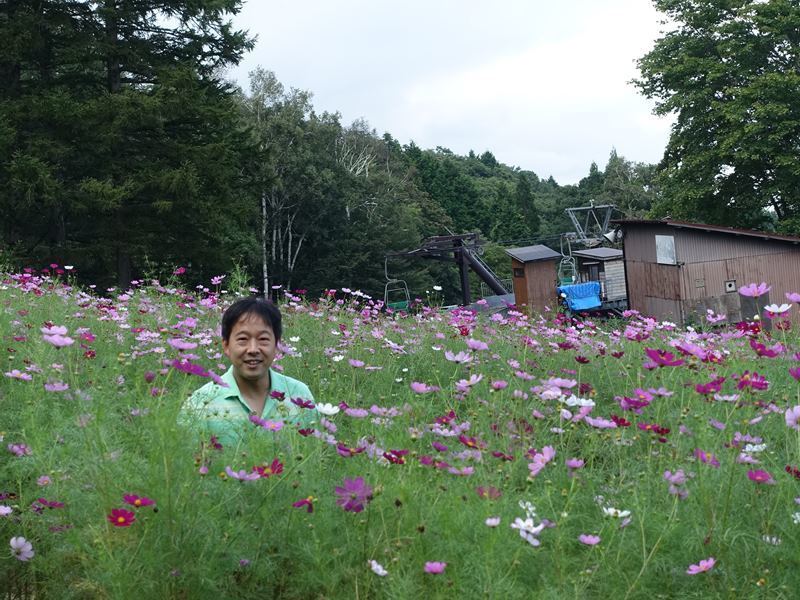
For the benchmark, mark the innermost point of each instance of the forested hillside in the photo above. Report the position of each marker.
(125, 152)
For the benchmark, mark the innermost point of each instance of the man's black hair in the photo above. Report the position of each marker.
(251, 305)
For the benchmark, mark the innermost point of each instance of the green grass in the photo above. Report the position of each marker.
(94, 450)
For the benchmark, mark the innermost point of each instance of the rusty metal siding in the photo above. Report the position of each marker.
(651, 280)
(640, 242)
(693, 246)
(706, 261)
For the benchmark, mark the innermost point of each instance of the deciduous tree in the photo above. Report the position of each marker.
(728, 71)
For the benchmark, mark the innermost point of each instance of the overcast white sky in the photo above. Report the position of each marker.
(542, 84)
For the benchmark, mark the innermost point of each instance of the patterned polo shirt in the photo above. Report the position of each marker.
(223, 412)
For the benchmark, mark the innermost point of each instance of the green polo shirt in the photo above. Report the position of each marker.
(223, 412)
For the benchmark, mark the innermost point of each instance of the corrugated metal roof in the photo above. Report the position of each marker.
(532, 253)
(600, 253)
(764, 235)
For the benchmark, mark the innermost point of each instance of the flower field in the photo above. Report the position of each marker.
(452, 454)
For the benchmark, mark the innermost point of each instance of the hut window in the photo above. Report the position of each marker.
(665, 250)
(519, 272)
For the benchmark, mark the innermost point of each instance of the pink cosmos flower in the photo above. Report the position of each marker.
(676, 478)
(752, 290)
(540, 459)
(19, 449)
(574, 463)
(704, 565)
(589, 540)
(272, 425)
(423, 388)
(180, 344)
(353, 495)
(793, 297)
(59, 341)
(57, 386)
(793, 417)
(21, 549)
(706, 458)
(460, 358)
(241, 475)
(435, 568)
(17, 374)
(54, 330)
(477, 345)
(492, 521)
(499, 384)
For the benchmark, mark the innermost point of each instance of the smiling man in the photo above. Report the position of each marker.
(251, 331)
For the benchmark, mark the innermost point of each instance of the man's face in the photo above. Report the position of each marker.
(251, 347)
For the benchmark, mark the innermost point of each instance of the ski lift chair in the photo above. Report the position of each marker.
(392, 287)
(581, 296)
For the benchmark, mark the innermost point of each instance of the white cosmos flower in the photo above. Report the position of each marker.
(377, 568)
(754, 448)
(573, 400)
(615, 512)
(437, 288)
(327, 409)
(777, 310)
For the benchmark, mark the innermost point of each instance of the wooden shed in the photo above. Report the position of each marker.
(535, 271)
(607, 266)
(676, 270)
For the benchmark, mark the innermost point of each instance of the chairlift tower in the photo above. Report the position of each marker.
(590, 222)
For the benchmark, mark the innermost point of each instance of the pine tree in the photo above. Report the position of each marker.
(117, 127)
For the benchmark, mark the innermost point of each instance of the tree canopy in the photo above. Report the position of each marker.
(728, 71)
(124, 151)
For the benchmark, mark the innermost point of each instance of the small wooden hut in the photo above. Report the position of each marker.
(535, 271)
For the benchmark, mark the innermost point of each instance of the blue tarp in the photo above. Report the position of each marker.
(582, 296)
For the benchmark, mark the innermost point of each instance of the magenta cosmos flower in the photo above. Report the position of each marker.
(354, 494)
(760, 476)
(138, 501)
(435, 568)
(307, 503)
(704, 565)
(662, 358)
(120, 517)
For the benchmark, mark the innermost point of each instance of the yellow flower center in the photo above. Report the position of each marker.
(120, 519)
(137, 502)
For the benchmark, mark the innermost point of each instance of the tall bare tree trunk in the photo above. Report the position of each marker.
(264, 265)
